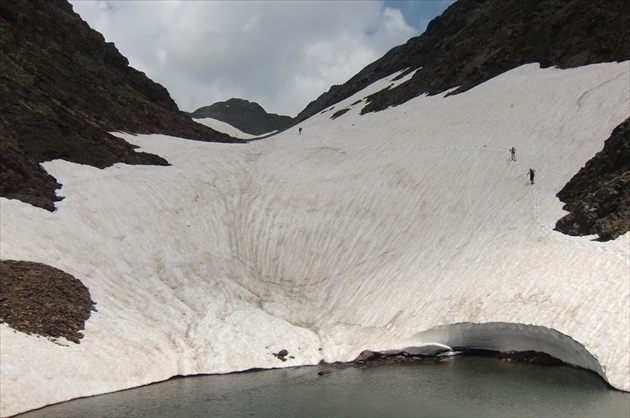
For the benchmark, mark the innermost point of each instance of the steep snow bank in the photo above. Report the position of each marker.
(360, 233)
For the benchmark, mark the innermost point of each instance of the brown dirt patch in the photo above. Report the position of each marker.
(39, 299)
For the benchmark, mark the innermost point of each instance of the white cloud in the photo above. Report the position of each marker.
(280, 54)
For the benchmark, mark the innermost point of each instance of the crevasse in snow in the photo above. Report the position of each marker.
(364, 232)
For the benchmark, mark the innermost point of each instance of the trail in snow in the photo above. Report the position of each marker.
(545, 229)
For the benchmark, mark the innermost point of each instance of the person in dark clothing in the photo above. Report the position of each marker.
(300, 131)
(531, 174)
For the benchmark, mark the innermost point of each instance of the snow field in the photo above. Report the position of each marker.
(364, 232)
(226, 128)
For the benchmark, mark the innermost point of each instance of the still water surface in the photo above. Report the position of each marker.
(464, 386)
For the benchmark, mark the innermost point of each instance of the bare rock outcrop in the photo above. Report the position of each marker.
(39, 299)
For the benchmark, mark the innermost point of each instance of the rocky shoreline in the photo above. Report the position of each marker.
(369, 358)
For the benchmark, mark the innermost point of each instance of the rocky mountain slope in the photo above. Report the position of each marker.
(476, 40)
(248, 117)
(63, 89)
(598, 196)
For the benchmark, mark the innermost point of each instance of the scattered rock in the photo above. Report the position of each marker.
(281, 354)
(366, 355)
(323, 372)
(369, 358)
(339, 113)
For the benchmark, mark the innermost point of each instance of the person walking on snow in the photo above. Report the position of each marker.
(300, 131)
(512, 154)
(531, 174)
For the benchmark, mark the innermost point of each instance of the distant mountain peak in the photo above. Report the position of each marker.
(248, 117)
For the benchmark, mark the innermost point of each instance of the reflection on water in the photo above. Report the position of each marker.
(463, 386)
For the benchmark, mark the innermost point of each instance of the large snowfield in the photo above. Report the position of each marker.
(364, 232)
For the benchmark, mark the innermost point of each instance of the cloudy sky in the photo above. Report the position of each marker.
(280, 54)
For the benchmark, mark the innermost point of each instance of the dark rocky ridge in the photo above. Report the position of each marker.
(598, 196)
(248, 117)
(476, 40)
(486, 38)
(63, 89)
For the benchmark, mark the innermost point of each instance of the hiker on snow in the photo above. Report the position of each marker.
(300, 131)
(531, 175)
(512, 153)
